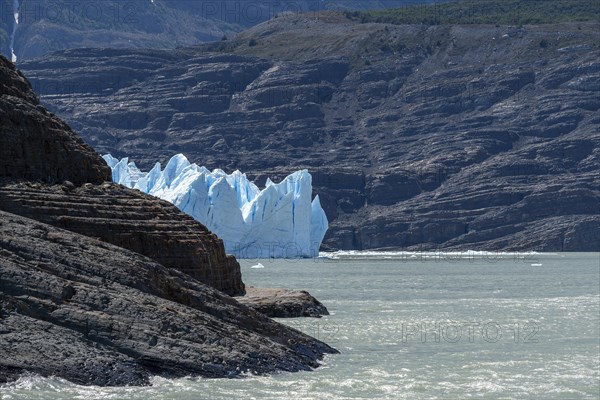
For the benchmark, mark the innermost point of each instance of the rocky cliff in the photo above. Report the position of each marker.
(131, 220)
(93, 313)
(417, 136)
(37, 146)
(121, 294)
(34, 144)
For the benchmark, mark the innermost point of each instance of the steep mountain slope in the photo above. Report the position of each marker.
(76, 307)
(50, 25)
(453, 136)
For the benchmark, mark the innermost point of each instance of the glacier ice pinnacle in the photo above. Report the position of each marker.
(280, 221)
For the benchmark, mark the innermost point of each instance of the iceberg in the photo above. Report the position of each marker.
(280, 221)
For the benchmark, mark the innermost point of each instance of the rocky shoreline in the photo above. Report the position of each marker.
(94, 313)
(102, 285)
(283, 303)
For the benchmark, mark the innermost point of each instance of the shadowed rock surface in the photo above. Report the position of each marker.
(417, 137)
(81, 309)
(132, 220)
(36, 145)
(94, 313)
(282, 303)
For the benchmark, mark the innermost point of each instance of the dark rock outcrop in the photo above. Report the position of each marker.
(283, 303)
(94, 313)
(418, 137)
(132, 220)
(35, 144)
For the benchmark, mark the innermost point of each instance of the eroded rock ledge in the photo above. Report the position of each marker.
(283, 303)
(71, 192)
(132, 220)
(94, 313)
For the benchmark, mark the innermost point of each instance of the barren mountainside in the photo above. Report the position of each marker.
(417, 136)
(50, 25)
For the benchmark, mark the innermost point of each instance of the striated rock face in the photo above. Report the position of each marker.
(93, 313)
(36, 145)
(132, 220)
(417, 136)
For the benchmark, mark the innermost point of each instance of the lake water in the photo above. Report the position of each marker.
(417, 326)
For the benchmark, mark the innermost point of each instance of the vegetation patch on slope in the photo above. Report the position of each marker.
(502, 12)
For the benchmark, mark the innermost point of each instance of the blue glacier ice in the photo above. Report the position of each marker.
(279, 221)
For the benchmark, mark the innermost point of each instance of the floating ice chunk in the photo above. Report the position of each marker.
(280, 221)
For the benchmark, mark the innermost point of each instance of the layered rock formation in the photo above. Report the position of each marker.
(48, 25)
(121, 295)
(36, 145)
(93, 313)
(132, 220)
(418, 137)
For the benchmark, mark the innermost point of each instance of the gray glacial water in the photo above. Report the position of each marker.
(414, 326)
